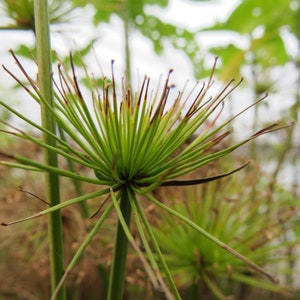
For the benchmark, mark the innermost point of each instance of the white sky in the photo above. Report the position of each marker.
(189, 14)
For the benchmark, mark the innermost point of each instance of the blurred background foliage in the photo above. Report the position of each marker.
(259, 208)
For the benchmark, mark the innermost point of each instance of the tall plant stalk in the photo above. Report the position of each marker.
(127, 52)
(50, 157)
(118, 268)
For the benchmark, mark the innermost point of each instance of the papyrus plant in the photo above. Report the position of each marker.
(20, 13)
(132, 143)
(260, 227)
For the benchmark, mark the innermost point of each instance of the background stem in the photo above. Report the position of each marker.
(118, 268)
(76, 183)
(50, 157)
(127, 54)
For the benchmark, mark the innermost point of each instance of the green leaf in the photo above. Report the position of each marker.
(261, 22)
(161, 3)
(79, 54)
(269, 50)
(128, 10)
(25, 51)
(252, 13)
(159, 33)
(232, 59)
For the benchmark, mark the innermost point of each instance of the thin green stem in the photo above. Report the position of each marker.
(127, 53)
(76, 183)
(152, 270)
(160, 257)
(51, 179)
(126, 20)
(60, 206)
(160, 284)
(118, 268)
(82, 248)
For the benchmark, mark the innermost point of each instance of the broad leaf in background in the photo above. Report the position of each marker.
(267, 27)
(262, 24)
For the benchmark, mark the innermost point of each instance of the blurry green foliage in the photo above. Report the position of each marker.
(132, 12)
(21, 13)
(262, 24)
(263, 228)
(152, 27)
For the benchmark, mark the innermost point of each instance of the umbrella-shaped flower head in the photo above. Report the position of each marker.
(133, 143)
